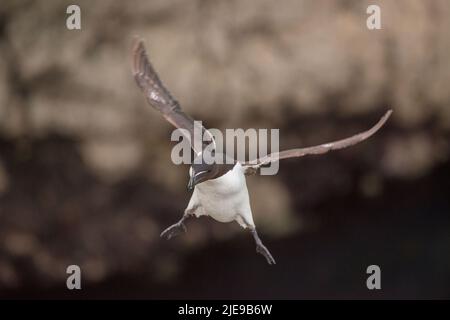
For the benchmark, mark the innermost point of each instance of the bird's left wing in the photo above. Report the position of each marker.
(161, 99)
(252, 167)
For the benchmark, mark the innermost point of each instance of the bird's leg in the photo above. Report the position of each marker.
(260, 248)
(178, 227)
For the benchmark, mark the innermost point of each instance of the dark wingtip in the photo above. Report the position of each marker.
(388, 113)
(137, 50)
(385, 117)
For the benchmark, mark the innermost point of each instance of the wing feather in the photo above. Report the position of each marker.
(160, 98)
(251, 167)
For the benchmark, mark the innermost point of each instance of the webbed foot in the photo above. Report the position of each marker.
(173, 230)
(261, 249)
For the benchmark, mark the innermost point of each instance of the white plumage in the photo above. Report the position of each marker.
(224, 199)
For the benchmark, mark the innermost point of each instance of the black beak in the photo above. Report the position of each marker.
(191, 184)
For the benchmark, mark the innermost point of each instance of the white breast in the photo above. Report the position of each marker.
(225, 198)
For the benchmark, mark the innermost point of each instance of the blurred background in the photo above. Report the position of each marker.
(85, 170)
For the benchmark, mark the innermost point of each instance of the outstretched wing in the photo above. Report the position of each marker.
(251, 167)
(161, 99)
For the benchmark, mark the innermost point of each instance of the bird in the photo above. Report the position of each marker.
(219, 189)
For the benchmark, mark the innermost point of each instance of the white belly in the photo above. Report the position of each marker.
(226, 198)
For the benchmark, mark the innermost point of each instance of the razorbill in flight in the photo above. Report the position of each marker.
(220, 190)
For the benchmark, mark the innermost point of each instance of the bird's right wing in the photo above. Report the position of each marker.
(252, 167)
(161, 99)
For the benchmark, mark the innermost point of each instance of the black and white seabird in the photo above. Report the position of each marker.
(220, 190)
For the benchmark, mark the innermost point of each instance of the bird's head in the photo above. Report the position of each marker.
(200, 172)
